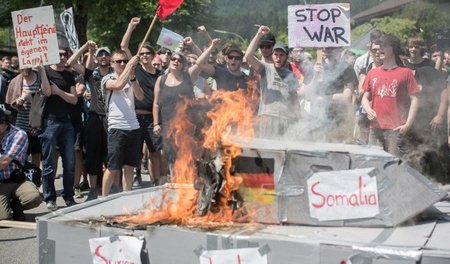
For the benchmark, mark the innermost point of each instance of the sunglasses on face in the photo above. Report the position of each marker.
(265, 46)
(63, 54)
(148, 53)
(176, 59)
(156, 64)
(103, 53)
(238, 58)
(121, 61)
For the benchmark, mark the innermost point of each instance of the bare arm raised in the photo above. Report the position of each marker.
(250, 52)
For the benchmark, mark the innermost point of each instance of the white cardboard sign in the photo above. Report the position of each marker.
(117, 249)
(35, 32)
(169, 39)
(68, 21)
(326, 25)
(340, 195)
(233, 256)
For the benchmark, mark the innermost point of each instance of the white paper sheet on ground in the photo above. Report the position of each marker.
(233, 256)
(117, 249)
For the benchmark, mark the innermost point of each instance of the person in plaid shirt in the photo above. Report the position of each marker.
(14, 197)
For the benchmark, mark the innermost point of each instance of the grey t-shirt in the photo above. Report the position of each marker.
(121, 113)
(277, 88)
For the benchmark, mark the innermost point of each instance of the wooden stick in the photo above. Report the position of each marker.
(147, 34)
(18, 224)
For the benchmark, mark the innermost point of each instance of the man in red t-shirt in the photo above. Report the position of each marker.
(388, 91)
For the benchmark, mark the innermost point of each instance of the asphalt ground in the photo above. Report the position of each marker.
(20, 246)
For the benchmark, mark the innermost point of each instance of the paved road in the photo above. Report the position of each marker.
(20, 246)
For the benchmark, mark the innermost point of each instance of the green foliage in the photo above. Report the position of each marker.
(430, 19)
(360, 30)
(399, 27)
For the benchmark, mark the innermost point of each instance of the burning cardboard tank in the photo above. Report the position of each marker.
(294, 202)
(293, 191)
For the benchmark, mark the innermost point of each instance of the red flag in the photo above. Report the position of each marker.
(167, 7)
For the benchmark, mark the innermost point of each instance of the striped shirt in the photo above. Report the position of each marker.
(23, 111)
(14, 145)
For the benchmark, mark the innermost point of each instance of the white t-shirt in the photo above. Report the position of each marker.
(121, 113)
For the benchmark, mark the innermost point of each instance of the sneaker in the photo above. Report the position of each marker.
(84, 186)
(137, 182)
(70, 203)
(78, 193)
(52, 206)
(92, 195)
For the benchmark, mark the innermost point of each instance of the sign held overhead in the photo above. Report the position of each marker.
(325, 25)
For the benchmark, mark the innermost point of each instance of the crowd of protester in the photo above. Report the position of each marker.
(107, 113)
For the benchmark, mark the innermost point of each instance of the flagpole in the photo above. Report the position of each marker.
(148, 33)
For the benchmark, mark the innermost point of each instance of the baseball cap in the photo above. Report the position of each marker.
(281, 46)
(102, 49)
(269, 37)
(233, 47)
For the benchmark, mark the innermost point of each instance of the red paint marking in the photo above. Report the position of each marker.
(239, 259)
(97, 253)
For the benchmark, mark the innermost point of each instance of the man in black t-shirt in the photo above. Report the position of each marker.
(231, 77)
(96, 126)
(58, 130)
(146, 76)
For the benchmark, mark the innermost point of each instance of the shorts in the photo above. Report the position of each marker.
(34, 144)
(78, 132)
(124, 148)
(95, 143)
(153, 141)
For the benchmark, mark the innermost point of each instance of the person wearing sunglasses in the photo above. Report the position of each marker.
(230, 77)
(57, 129)
(165, 54)
(265, 47)
(146, 76)
(124, 134)
(278, 88)
(170, 89)
(96, 125)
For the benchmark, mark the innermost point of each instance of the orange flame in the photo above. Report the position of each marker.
(231, 114)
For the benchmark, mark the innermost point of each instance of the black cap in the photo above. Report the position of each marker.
(269, 37)
(233, 47)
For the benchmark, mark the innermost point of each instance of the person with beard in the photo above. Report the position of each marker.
(146, 75)
(278, 88)
(229, 78)
(96, 125)
(57, 130)
(390, 99)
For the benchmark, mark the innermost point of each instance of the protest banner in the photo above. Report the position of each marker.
(35, 32)
(326, 25)
(169, 39)
(68, 22)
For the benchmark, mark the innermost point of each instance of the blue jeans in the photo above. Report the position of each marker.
(59, 134)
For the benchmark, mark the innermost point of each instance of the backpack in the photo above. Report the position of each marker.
(37, 110)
